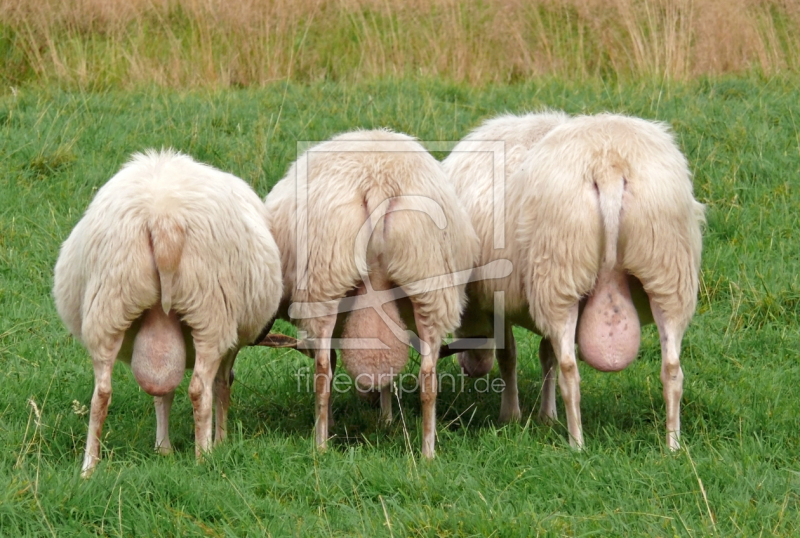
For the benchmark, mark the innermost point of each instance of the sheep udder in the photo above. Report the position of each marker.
(608, 330)
(374, 369)
(159, 352)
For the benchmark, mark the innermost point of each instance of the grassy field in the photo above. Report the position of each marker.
(100, 44)
(739, 474)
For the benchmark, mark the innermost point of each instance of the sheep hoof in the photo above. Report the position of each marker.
(387, 418)
(546, 418)
(673, 443)
(508, 416)
(87, 473)
(164, 450)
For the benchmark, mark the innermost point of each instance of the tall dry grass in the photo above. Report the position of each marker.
(220, 43)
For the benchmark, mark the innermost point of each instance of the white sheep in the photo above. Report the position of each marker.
(608, 236)
(470, 167)
(379, 214)
(172, 267)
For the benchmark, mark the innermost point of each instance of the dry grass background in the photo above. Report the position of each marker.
(223, 43)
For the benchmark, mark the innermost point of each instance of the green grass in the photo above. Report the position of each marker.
(738, 476)
(217, 44)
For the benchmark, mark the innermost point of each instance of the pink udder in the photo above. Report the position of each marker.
(608, 330)
(374, 369)
(159, 352)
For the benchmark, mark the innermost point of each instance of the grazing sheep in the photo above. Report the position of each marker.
(470, 167)
(172, 267)
(608, 237)
(380, 215)
(375, 367)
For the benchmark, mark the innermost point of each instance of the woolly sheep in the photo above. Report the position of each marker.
(608, 237)
(469, 168)
(172, 267)
(380, 215)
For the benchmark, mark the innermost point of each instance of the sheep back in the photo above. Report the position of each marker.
(562, 231)
(342, 182)
(226, 283)
(470, 169)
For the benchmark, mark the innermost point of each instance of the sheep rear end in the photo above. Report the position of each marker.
(167, 238)
(159, 352)
(609, 332)
(374, 369)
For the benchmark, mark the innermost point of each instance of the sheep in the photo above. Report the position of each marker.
(374, 368)
(609, 239)
(379, 214)
(171, 267)
(469, 168)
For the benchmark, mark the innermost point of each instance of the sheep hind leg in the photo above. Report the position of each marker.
(163, 404)
(323, 378)
(428, 385)
(386, 405)
(507, 362)
(671, 373)
(330, 398)
(222, 398)
(547, 358)
(569, 378)
(103, 362)
(201, 388)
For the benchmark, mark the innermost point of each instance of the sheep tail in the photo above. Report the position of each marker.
(610, 183)
(167, 238)
(377, 206)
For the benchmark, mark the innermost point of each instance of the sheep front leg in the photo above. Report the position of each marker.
(103, 362)
(569, 378)
(222, 397)
(330, 398)
(163, 405)
(507, 362)
(201, 393)
(547, 358)
(428, 386)
(386, 404)
(671, 373)
(323, 377)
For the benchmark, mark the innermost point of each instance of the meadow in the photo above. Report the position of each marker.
(737, 475)
(85, 83)
(101, 44)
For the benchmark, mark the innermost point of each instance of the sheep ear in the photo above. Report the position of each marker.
(445, 351)
(278, 340)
